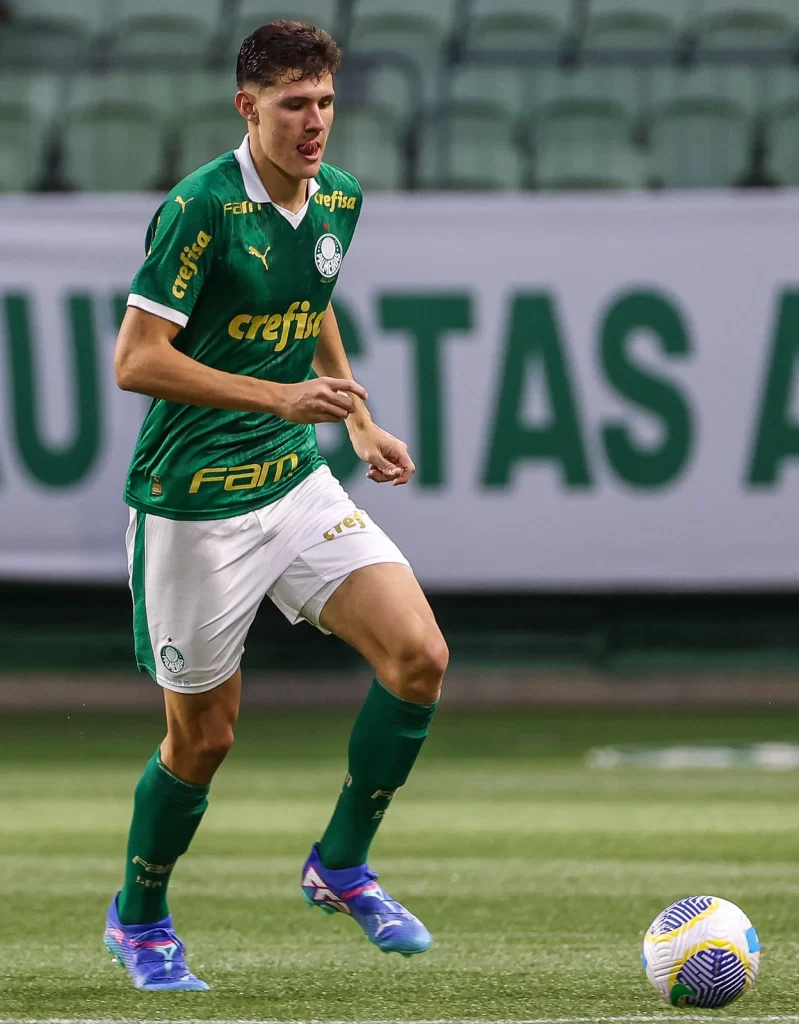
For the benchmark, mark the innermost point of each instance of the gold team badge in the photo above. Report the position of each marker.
(261, 255)
(183, 202)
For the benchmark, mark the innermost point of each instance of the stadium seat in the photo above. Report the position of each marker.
(441, 12)
(781, 84)
(113, 146)
(624, 85)
(254, 13)
(209, 129)
(416, 37)
(700, 143)
(744, 85)
(28, 103)
(583, 144)
(471, 146)
(508, 88)
(89, 16)
(379, 84)
(748, 24)
(368, 144)
(672, 16)
(163, 39)
(559, 12)
(518, 24)
(783, 143)
(20, 165)
(209, 12)
(632, 31)
(46, 43)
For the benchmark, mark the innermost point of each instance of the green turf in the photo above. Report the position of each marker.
(536, 876)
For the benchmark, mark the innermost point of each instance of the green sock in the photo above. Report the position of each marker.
(385, 741)
(166, 813)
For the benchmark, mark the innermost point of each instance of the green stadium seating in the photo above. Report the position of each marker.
(254, 13)
(89, 16)
(700, 143)
(162, 39)
(783, 143)
(514, 31)
(112, 146)
(781, 84)
(416, 38)
(508, 88)
(154, 90)
(748, 30)
(208, 12)
(472, 147)
(747, 23)
(559, 13)
(209, 129)
(20, 165)
(745, 86)
(633, 31)
(670, 17)
(368, 144)
(582, 144)
(442, 13)
(28, 103)
(623, 85)
(380, 84)
(45, 43)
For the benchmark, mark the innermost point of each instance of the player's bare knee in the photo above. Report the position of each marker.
(199, 746)
(417, 671)
(214, 745)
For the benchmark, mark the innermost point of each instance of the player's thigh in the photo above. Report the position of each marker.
(382, 611)
(196, 587)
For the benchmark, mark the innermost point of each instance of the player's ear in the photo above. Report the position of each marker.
(245, 104)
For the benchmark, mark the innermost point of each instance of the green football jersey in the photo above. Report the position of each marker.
(249, 283)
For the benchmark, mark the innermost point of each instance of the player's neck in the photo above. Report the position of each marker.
(289, 193)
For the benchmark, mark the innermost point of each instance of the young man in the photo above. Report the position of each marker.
(230, 499)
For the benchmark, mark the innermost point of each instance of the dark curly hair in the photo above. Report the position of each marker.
(286, 47)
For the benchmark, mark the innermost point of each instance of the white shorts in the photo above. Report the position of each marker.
(197, 585)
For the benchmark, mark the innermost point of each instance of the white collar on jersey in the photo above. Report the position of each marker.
(256, 191)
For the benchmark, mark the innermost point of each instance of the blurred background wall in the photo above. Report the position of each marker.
(574, 290)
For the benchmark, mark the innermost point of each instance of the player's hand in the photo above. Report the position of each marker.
(322, 400)
(388, 458)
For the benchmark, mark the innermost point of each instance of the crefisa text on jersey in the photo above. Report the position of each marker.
(335, 200)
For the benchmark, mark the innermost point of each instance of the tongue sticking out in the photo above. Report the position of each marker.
(309, 149)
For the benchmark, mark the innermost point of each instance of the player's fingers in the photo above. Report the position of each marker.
(385, 465)
(333, 411)
(378, 476)
(347, 385)
(340, 400)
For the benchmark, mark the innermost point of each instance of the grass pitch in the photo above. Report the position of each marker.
(536, 875)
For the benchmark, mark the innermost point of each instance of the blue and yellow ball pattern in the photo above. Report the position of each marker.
(701, 951)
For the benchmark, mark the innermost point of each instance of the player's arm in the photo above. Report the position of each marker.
(387, 456)
(146, 361)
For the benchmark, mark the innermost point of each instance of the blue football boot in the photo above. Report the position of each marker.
(152, 954)
(355, 891)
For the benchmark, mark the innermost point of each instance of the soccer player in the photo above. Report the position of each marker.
(231, 500)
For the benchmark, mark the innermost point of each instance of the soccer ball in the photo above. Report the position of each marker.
(701, 951)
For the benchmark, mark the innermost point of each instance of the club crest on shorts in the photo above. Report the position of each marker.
(172, 658)
(328, 255)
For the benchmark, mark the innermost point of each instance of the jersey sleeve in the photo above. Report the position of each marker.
(180, 249)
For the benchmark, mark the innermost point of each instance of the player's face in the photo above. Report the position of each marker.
(293, 122)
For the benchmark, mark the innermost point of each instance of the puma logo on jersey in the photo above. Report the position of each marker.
(316, 888)
(261, 255)
(184, 202)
